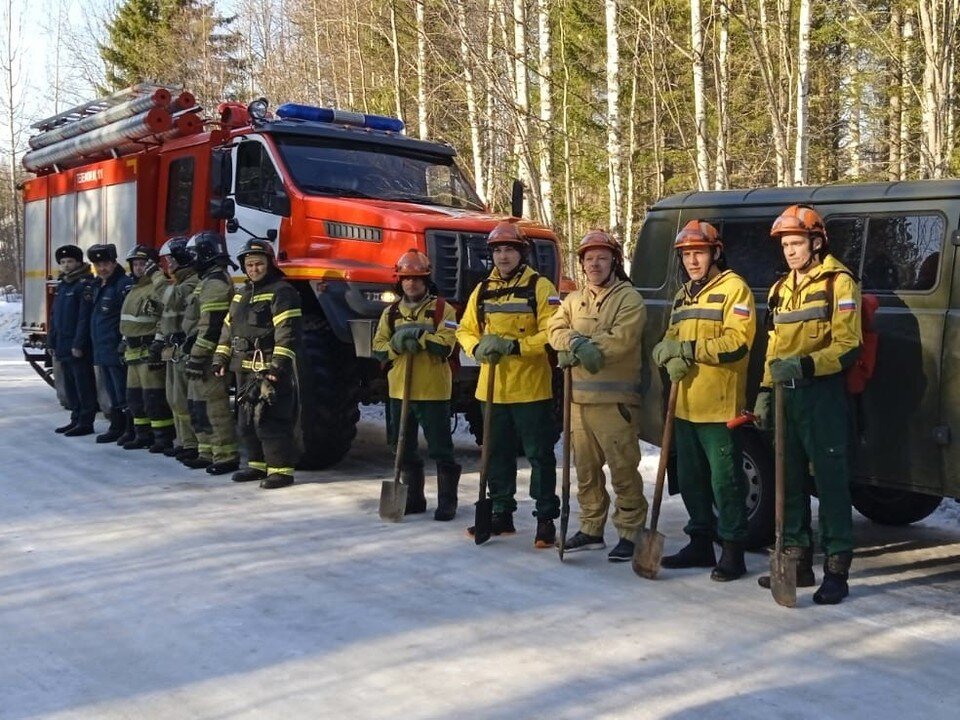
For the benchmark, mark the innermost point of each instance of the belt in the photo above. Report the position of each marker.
(806, 382)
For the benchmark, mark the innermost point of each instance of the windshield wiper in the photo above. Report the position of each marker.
(333, 190)
(424, 200)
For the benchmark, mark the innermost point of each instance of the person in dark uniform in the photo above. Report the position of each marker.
(260, 340)
(69, 339)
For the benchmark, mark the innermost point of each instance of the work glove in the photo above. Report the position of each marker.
(667, 348)
(153, 359)
(492, 347)
(587, 354)
(566, 359)
(786, 369)
(122, 348)
(268, 389)
(406, 340)
(677, 369)
(763, 410)
(196, 369)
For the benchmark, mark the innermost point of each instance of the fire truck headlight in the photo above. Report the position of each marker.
(384, 296)
(258, 109)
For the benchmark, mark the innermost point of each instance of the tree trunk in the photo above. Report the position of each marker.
(613, 114)
(545, 135)
(699, 102)
(906, 95)
(421, 69)
(567, 171)
(472, 114)
(521, 146)
(722, 180)
(395, 46)
(894, 84)
(803, 95)
(938, 31)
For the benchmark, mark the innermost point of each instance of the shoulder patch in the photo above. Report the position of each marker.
(716, 298)
(846, 304)
(741, 310)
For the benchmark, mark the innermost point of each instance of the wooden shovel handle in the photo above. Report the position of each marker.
(665, 444)
(487, 416)
(404, 413)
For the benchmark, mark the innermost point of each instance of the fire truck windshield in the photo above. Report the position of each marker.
(332, 167)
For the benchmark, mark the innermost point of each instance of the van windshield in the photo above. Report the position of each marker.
(332, 167)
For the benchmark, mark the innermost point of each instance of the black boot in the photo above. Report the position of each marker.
(501, 523)
(222, 467)
(731, 565)
(448, 478)
(162, 440)
(63, 428)
(805, 576)
(411, 475)
(172, 451)
(836, 570)
(117, 424)
(276, 480)
(188, 455)
(195, 462)
(698, 552)
(546, 534)
(248, 474)
(129, 433)
(83, 426)
(142, 438)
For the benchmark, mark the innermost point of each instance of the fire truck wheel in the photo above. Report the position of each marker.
(331, 393)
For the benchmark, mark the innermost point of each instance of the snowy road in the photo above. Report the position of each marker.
(131, 587)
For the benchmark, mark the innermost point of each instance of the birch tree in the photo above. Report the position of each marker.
(11, 67)
(421, 69)
(803, 95)
(545, 133)
(938, 32)
(613, 112)
(721, 178)
(699, 102)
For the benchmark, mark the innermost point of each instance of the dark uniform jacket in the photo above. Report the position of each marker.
(70, 319)
(105, 316)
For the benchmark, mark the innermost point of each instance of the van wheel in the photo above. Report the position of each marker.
(889, 506)
(330, 395)
(758, 468)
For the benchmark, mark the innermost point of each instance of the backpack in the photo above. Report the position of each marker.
(858, 375)
(436, 314)
(527, 292)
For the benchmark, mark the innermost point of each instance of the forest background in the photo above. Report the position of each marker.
(600, 107)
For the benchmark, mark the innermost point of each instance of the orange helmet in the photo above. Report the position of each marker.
(799, 219)
(698, 233)
(413, 263)
(507, 233)
(600, 239)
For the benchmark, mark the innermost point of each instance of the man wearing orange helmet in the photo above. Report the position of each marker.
(597, 332)
(505, 323)
(419, 329)
(706, 350)
(815, 334)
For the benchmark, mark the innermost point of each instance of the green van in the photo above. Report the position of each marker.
(901, 240)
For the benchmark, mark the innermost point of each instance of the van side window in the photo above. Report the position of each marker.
(651, 257)
(258, 182)
(903, 252)
(179, 196)
(845, 235)
(750, 251)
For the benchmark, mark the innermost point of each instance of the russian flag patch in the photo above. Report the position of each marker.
(741, 310)
(553, 300)
(846, 304)
(450, 324)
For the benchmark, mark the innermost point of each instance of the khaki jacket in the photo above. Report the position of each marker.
(139, 317)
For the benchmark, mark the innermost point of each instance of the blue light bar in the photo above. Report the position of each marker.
(294, 111)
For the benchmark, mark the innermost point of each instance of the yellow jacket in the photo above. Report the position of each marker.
(826, 337)
(721, 322)
(139, 318)
(613, 319)
(432, 379)
(520, 378)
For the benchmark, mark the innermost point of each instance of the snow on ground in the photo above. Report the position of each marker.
(10, 315)
(131, 587)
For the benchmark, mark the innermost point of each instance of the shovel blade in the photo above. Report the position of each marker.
(783, 579)
(482, 521)
(648, 554)
(393, 500)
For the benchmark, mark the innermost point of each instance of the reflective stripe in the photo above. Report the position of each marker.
(223, 350)
(204, 343)
(286, 315)
(284, 352)
(255, 365)
(214, 306)
(231, 448)
(170, 313)
(511, 307)
(141, 421)
(280, 470)
(428, 327)
(606, 386)
(237, 298)
(226, 319)
(161, 423)
(262, 297)
(138, 318)
(795, 316)
(697, 314)
(254, 465)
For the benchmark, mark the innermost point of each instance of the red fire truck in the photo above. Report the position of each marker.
(341, 195)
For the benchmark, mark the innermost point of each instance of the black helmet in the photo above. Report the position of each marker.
(101, 253)
(209, 247)
(176, 247)
(142, 252)
(68, 251)
(257, 246)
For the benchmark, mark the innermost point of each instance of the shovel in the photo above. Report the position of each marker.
(649, 552)
(783, 569)
(565, 487)
(393, 495)
(483, 518)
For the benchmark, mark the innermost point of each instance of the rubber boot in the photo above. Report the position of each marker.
(162, 440)
(448, 479)
(276, 480)
(411, 475)
(731, 565)
(805, 576)
(222, 467)
(698, 552)
(142, 438)
(83, 426)
(172, 451)
(129, 433)
(63, 428)
(834, 588)
(248, 474)
(117, 425)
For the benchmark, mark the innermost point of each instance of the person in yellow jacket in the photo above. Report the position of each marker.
(815, 335)
(706, 350)
(597, 332)
(505, 323)
(419, 329)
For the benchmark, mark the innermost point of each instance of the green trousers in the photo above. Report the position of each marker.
(434, 417)
(532, 425)
(177, 399)
(818, 433)
(271, 433)
(710, 470)
(211, 418)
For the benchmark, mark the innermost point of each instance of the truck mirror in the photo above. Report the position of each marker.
(222, 208)
(272, 234)
(232, 225)
(516, 199)
(221, 172)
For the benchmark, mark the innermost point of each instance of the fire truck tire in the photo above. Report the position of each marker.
(331, 393)
(889, 506)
